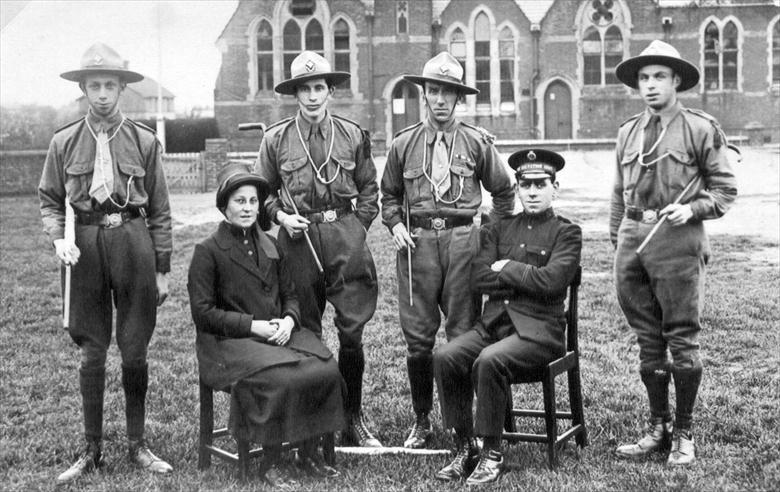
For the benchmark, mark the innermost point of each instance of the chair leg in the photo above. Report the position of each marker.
(548, 389)
(329, 448)
(509, 421)
(243, 459)
(206, 426)
(575, 398)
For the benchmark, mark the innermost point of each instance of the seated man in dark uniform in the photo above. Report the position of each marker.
(524, 265)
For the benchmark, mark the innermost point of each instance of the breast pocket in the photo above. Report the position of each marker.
(294, 174)
(344, 185)
(78, 179)
(682, 169)
(462, 171)
(629, 168)
(415, 184)
(537, 255)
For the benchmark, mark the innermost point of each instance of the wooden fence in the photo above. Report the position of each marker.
(188, 173)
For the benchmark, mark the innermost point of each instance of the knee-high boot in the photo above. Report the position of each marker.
(656, 382)
(686, 387)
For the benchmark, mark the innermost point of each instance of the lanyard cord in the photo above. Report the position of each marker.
(435, 186)
(318, 169)
(102, 162)
(642, 155)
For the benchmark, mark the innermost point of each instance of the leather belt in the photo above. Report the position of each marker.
(330, 215)
(106, 221)
(439, 223)
(643, 215)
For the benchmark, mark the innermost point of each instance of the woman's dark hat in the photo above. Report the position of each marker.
(307, 66)
(443, 69)
(536, 163)
(236, 174)
(658, 53)
(100, 58)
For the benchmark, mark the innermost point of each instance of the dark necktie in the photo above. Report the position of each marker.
(652, 130)
(645, 182)
(317, 147)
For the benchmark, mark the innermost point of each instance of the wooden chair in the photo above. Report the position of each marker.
(243, 453)
(569, 364)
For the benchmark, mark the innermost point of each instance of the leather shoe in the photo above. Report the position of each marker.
(276, 478)
(489, 468)
(144, 458)
(357, 434)
(420, 432)
(683, 449)
(463, 464)
(658, 436)
(90, 458)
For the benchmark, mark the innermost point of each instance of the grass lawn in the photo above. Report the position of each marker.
(737, 424)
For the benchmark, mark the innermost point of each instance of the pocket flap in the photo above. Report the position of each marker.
(347, 165)
(682, 157)
(538, 250)
(294, 164)
(461, 170)
(132, 169)
(79, 168)
(413, 173)
(629, 157)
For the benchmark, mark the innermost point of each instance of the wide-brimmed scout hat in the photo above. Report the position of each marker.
(443, 69)
(536, 163)
(307, 66)
(658, 53)
(100, 58)
(236, 174)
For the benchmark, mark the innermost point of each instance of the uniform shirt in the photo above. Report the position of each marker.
(135, 153)
(474, 159)
(692, 144)
(282, 158)
(544, 253)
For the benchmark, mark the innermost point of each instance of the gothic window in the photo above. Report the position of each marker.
(402, 17)
(265, 57)
(482, 57)
(341, 52)
(602, 48)
(775, 44)
(721, 56)
(506, 56)
(458, 47)
(314, 38)
(291, 45)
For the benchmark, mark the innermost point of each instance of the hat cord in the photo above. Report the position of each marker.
(435, 186)
(102, 161)
(318, 169)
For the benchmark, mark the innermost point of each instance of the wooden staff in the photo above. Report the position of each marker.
(305, 233)
(409, 252)
(658, 224)
(70, 238)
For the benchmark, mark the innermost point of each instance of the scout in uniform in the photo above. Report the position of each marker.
(322, 162)
(431, 182)
(108, 169)
(525, 265)
(660, 152)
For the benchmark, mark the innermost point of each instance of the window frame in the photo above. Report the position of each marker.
(773, 85)
(721, 24)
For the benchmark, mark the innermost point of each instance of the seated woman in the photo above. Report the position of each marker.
(284, 383)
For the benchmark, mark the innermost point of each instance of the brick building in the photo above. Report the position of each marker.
(545, 68)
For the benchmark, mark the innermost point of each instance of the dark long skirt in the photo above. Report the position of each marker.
(288, 403)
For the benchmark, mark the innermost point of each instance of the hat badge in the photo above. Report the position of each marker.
(444, 69)
(98, 60)
(532, 156)
(310, 66)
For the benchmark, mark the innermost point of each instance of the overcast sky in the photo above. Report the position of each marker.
(41, 39)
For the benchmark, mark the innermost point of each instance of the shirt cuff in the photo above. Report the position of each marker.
(163, 261)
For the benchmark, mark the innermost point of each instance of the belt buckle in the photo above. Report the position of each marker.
(329, 216)
(113, 220)
(437, 223)
(649, 216)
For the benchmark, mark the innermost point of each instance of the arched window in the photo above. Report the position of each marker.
(482, 57)
(776, 53)
(341, 51)
(591, 57)
(458, 47)
(506, 55)
(314, 38)
(291, 44)
(721, 56)
(265, 57)
(613, 54)
(401, 17)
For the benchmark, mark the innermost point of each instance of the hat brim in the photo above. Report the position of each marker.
(288, 86)
(627, 71)
(238, 180)
(420, 80)
(127, 76)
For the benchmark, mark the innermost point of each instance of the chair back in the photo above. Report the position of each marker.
(572, 314)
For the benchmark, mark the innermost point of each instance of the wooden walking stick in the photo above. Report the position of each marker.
(409, 251)
(305, 233)
(70, 238)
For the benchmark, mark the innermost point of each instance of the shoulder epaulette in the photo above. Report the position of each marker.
(67, 125)
(141, 125)
(280, 122)
(632, 118)
(719, 138)
(408, 128)
(487, 137)
(339, 117)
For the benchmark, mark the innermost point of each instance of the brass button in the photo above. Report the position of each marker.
(250, 253)
(506, 301)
